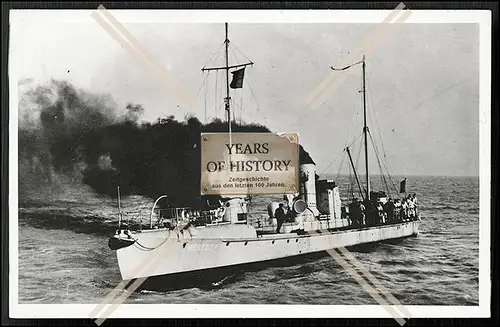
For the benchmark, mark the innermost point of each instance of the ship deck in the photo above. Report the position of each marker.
(269, 232)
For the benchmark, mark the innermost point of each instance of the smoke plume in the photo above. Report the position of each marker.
(70, 134)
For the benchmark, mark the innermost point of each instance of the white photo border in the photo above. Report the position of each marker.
(481, 17)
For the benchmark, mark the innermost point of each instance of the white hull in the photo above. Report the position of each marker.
(163, 252)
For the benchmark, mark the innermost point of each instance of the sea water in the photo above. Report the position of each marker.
(64, 257)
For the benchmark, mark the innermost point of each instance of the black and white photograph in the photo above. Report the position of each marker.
(380, 196)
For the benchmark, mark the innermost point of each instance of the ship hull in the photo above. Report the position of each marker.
(192, 255)
(214, 277)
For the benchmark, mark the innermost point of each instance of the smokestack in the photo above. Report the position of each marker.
(308, 186)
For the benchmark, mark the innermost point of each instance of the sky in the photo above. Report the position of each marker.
(422, 81)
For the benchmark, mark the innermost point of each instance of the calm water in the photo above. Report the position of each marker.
(64, 258)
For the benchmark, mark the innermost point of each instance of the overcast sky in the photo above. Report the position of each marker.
(422, 81)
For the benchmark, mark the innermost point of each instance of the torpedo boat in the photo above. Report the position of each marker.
(184, 243)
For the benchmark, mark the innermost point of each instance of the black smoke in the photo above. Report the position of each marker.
(68, 132)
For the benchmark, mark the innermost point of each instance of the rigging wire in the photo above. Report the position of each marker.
(331, 163)
(336, 158)
(351, 183)
(235, 104)
(375, 150)
(340, 168)
(232, 51)
(219, 83)
(363, 90)
(257, 102)
(241, 105)
(357, 111)
(232, 103)
(382, 176)
(220, 92)
(341, 165)
(206, 92)
(199, 90)
(233, 54)
(215, 97)
(385, 161)
(216, 53)
(242, 112)
(232, 44)
(351, 122)
(357, 160)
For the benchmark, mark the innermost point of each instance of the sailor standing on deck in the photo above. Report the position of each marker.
(381, 214)
(404, 209)
(355, 212)
(389, 209)
(411, 207)
(280, 216)
(398, 209)
(415, 203)
(362, 209)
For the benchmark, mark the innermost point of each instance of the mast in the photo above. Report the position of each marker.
(228, 109)
(227, 68)
(365, 127)
(119, 210)
(354, 169)
(365, 131)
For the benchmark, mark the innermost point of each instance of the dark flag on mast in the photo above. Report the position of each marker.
(402, 186)
(237, 82)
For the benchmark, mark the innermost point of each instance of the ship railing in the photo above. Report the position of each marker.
(267, 225)
(171, 217)
(381, 217)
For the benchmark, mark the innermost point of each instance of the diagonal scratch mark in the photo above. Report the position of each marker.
(372, 41)
(367, 287)
(145, 267)
(325, 83)
(167, 81)
(348, 255)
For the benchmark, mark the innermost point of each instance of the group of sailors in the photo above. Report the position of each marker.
(369, 213)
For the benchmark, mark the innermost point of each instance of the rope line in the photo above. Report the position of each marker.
(382, 176)
(256, 102)
(385, 161)
(206, 93)
(198, 93)
(336, 158)
(153, 248)
(215, 97)
(356, 165)
(215, 53)
(237, 49)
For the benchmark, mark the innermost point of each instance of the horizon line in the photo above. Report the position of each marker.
(404, 175)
